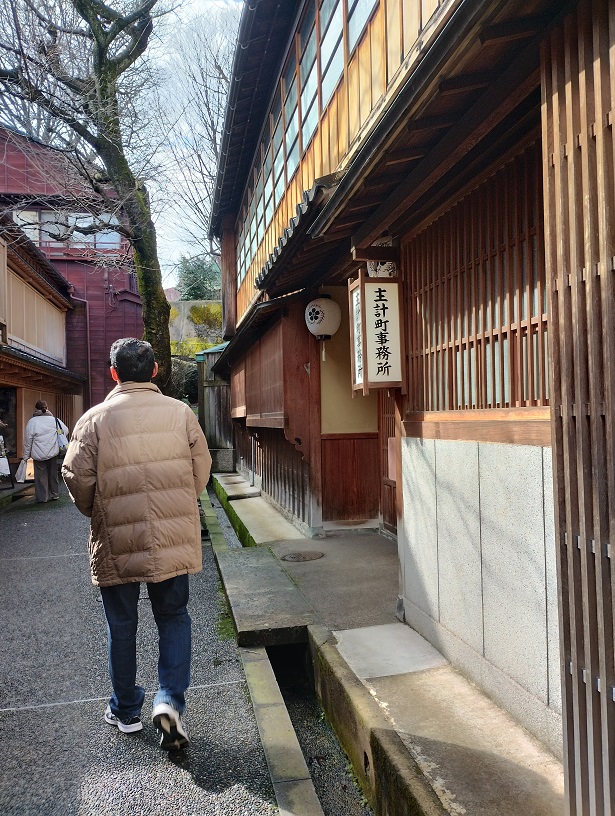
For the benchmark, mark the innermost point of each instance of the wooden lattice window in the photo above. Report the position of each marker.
(477, 317)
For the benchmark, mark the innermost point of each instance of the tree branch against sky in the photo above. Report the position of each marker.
(79, 64)
(191, 105)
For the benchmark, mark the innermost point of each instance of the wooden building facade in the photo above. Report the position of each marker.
(35, 301)
(36, 183)
(468, 148)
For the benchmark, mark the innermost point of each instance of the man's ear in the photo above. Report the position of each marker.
(155, 371)
(114, 374)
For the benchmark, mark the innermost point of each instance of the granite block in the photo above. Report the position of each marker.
(554, 672)
(419, 532)
(514, 574)
(459, 546)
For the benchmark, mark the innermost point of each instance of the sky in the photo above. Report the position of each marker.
(172, 241)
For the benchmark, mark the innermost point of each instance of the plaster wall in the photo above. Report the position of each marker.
(478, 574)
(340, 412)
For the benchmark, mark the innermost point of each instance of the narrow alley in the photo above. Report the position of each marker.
(59, 755)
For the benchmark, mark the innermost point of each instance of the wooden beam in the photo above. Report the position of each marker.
(512, 30)
(360, 204)
(433, 122)
(514, 432)
(376, 253)
(376, 182)
(501, 98)
(403, 156)
(272, 420)
(466, 82)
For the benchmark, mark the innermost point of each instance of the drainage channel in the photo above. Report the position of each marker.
(337, 790)
(291, 721)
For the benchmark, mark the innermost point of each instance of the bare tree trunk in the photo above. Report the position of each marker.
(155, 305)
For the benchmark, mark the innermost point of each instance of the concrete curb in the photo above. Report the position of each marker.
(291, 779)
(292, 783)
(216, 536)
(243, 534)
(391, 780)
(266, 606)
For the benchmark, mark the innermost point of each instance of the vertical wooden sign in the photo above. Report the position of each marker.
(376, 333)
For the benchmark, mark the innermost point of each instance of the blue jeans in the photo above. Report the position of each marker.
(169, 601)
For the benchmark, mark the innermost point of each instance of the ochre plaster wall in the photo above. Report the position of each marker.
(340, 413)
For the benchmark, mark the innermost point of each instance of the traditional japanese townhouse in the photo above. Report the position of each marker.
(467, 146)
(35, 302)
(36, 182)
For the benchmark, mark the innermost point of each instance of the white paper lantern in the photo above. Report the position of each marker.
(323, 317)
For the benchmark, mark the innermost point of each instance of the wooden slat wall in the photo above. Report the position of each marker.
(271, 392)
(214, 405)
(578, 66)
(386, 431)
(350, 488)
(284, 474)
(238, 389)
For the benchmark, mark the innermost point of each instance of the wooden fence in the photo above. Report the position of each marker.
(578, 161)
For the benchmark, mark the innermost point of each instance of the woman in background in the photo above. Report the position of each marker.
(41, 443)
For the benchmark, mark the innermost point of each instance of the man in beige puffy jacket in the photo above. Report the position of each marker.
(136, 465)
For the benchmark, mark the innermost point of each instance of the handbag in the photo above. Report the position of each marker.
(62, 440)
(20, 476)
(5, 470)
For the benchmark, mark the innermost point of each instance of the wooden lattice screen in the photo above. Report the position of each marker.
(578, 87)
(478, 305)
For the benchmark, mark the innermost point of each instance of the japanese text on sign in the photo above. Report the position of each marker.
(382, 329)
(357, 336)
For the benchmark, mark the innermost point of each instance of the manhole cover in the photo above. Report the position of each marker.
(308, 555)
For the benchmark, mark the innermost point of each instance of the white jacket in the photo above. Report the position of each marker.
(41, 437)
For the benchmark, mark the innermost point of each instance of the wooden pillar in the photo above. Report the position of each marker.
(315, 492)
(229, 277)
(578, 94)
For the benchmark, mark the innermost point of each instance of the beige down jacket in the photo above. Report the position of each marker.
(136, 464)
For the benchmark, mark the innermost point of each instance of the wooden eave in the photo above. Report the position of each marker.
(259, 320)
(26, 259)
(264, 30)
(478, 80)
(22, 369)
(299, 261)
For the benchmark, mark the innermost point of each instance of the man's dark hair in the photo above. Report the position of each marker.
(132, 359)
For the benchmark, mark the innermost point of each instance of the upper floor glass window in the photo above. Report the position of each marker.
(308, 76)
(328, 33)
(291, 120)
(46, 228)
(331, 48)
(359, 12)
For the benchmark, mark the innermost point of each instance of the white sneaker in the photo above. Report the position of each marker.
(169, 722)
(125, 726)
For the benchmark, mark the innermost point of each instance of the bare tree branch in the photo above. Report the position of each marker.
(191, 108)
(79, 66)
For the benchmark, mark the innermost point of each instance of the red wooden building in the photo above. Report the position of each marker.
(36, 182)
(35, 309)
